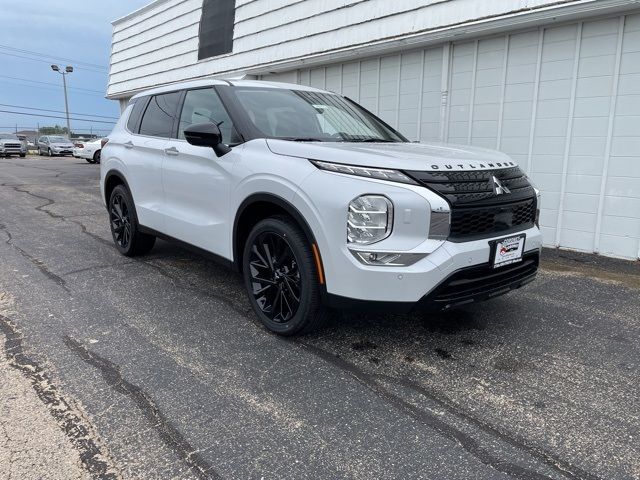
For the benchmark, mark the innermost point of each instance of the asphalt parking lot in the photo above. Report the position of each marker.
(155, 367)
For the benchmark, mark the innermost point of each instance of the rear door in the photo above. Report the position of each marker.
(197, 182)
(145, 152)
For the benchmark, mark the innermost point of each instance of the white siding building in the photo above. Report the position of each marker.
(555, 84)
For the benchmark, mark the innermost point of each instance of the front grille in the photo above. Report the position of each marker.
(481, 283)
(12, 145)
(479, 221)
(476, 210)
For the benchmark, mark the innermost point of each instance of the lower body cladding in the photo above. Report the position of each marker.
(454, 274)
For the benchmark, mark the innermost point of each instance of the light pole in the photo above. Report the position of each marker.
(68, 69)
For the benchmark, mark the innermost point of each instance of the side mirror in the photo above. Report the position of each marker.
(206, 135)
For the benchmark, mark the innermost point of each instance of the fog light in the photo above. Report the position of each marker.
(389, 259)
(369, 219)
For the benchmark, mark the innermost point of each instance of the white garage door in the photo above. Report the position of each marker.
(563, 101)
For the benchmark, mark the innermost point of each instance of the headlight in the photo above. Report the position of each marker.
(367, 172)
(369, 220)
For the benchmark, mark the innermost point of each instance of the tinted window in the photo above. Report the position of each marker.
(158, 118)
(202, 106)
(216, 28)
(134, 119)
(295, 114)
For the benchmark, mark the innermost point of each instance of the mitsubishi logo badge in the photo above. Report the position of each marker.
(498, 187)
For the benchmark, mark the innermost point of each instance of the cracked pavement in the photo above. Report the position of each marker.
(155, 367)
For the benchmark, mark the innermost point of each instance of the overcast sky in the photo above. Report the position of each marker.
(66, 32)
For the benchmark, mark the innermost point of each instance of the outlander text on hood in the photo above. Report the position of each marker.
(316, 201)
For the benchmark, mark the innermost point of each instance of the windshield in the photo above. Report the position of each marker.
(311, 116)
(8, 136)
(58, 139)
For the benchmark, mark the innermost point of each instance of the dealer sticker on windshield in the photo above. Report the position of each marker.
(507, 251)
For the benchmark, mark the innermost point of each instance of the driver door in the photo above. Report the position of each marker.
(196, 182)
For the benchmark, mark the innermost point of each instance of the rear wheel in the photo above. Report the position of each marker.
(125, 229)
(281, 277)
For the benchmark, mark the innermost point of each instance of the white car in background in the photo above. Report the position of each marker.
(90, 150)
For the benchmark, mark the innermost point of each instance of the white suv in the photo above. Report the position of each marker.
(316, 201)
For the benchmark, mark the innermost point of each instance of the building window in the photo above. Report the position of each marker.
(216, 28)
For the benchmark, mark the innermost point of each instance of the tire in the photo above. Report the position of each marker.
(125, 229)
(96, 156)
(49, 154)
(22, 155)
(89, 160)
(274, 279)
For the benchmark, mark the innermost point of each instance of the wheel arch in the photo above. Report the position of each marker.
(256, 207)
(111, 180)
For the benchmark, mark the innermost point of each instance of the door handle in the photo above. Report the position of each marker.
(171, 151)
(128, 144)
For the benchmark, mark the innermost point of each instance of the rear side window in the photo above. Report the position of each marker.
(134, 118)
(160, 114)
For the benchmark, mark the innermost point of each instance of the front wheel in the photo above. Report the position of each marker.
(96, 157)
(49, 153)
(125, 229)
(281, 277)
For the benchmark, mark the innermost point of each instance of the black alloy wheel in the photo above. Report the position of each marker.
(275, 278)
(282, 278)
(124, 224)
(120, 221)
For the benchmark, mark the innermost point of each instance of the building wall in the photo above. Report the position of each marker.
(159, 43)
(563, 101)
(556, 85)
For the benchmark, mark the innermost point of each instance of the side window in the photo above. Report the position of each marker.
(133, 124)
(158, 118)
(202, 106)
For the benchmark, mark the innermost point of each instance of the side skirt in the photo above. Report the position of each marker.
(187, 246)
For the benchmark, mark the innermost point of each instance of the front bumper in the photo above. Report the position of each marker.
(11, 151)
(465, 286)
(453, 274)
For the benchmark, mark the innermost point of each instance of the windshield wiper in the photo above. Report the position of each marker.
(301, 139)
(372, 140)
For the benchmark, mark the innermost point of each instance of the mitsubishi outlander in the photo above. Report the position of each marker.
(316, 201)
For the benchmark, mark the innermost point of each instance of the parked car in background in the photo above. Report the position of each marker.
(90, 150)
(51, 145)
(10, 144)
(78, 145)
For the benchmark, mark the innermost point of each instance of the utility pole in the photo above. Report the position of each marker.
(68, 69)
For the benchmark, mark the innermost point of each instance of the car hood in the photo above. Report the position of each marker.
(403, 156)
(9, 140)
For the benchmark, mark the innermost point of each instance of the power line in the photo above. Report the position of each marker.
(54, 116)
(77, 62)
(12, 82)
(57, 111)
(50, 83)
(50, 62)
